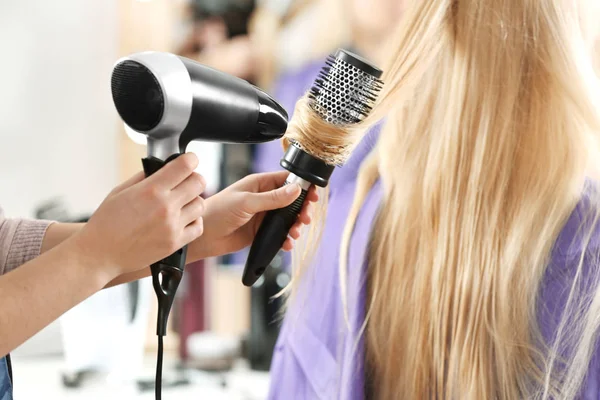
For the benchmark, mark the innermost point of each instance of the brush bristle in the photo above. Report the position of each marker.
(343, 94)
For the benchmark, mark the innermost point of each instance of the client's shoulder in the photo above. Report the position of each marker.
(582, 229)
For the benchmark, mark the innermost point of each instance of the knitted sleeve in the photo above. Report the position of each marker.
(20, 241)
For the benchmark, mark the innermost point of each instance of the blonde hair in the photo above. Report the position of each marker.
(491, 128)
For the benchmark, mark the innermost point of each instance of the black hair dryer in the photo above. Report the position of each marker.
(173, 100)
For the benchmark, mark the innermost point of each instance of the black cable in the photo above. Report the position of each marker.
(159, 366)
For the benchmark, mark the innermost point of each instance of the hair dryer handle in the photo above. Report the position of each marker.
(270, 238)
(168, 272)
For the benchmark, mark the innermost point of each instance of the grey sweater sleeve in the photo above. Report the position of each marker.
(20, 241)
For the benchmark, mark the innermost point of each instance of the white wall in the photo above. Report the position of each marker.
(58, 127)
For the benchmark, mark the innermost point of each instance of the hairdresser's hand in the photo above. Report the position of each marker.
(233, 216)
(145, 220)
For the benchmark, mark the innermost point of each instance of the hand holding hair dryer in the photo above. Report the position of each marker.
(173, 100)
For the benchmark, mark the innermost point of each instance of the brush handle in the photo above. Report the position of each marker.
(270, 238)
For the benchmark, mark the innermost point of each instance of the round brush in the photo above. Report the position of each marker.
(342, 95)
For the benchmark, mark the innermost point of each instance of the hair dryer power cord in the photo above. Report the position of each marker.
(159, 367)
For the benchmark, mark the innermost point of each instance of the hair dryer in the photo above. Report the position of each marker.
(174, 100)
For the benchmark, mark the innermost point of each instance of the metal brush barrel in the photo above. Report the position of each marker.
(345, 90)
(343, 94)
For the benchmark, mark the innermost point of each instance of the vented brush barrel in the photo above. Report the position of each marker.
(343, 94)
(345, 90)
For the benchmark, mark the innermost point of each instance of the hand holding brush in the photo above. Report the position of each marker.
(342, 95)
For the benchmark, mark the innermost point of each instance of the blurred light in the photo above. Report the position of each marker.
(137, 137)
(282, 280)
(277, 261)
(259, 282)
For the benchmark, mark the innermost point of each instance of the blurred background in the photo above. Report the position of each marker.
(63, 148)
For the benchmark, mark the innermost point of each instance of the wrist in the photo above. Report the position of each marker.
(57, 233)
(99, 268)
(196, 250)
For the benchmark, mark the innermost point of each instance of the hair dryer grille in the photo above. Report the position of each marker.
(137, 95)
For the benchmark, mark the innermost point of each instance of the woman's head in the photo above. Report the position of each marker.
(491, 126)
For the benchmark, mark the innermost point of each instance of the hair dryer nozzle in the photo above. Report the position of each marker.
(272, 117)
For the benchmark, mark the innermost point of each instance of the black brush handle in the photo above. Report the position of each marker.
(270, 238)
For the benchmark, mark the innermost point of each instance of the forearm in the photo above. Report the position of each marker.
(196, 252)
(144, 273)
(130, 277)
(58, 233)
(41, 290)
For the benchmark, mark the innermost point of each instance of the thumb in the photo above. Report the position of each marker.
(273, 199)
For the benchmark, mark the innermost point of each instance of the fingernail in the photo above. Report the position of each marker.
(291, 188)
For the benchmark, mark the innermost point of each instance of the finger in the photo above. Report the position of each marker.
(288, 245)
(294, 233)
(271, 180)
(305, 214)
(193, 231)
(298, 225)
(312, 195)
(192, 211)
(175, 172)
(271, 200)
(189, 189)
(304, 218)
(262, 182)
(137, 178)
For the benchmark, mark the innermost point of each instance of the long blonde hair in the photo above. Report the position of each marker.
(491, 129)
